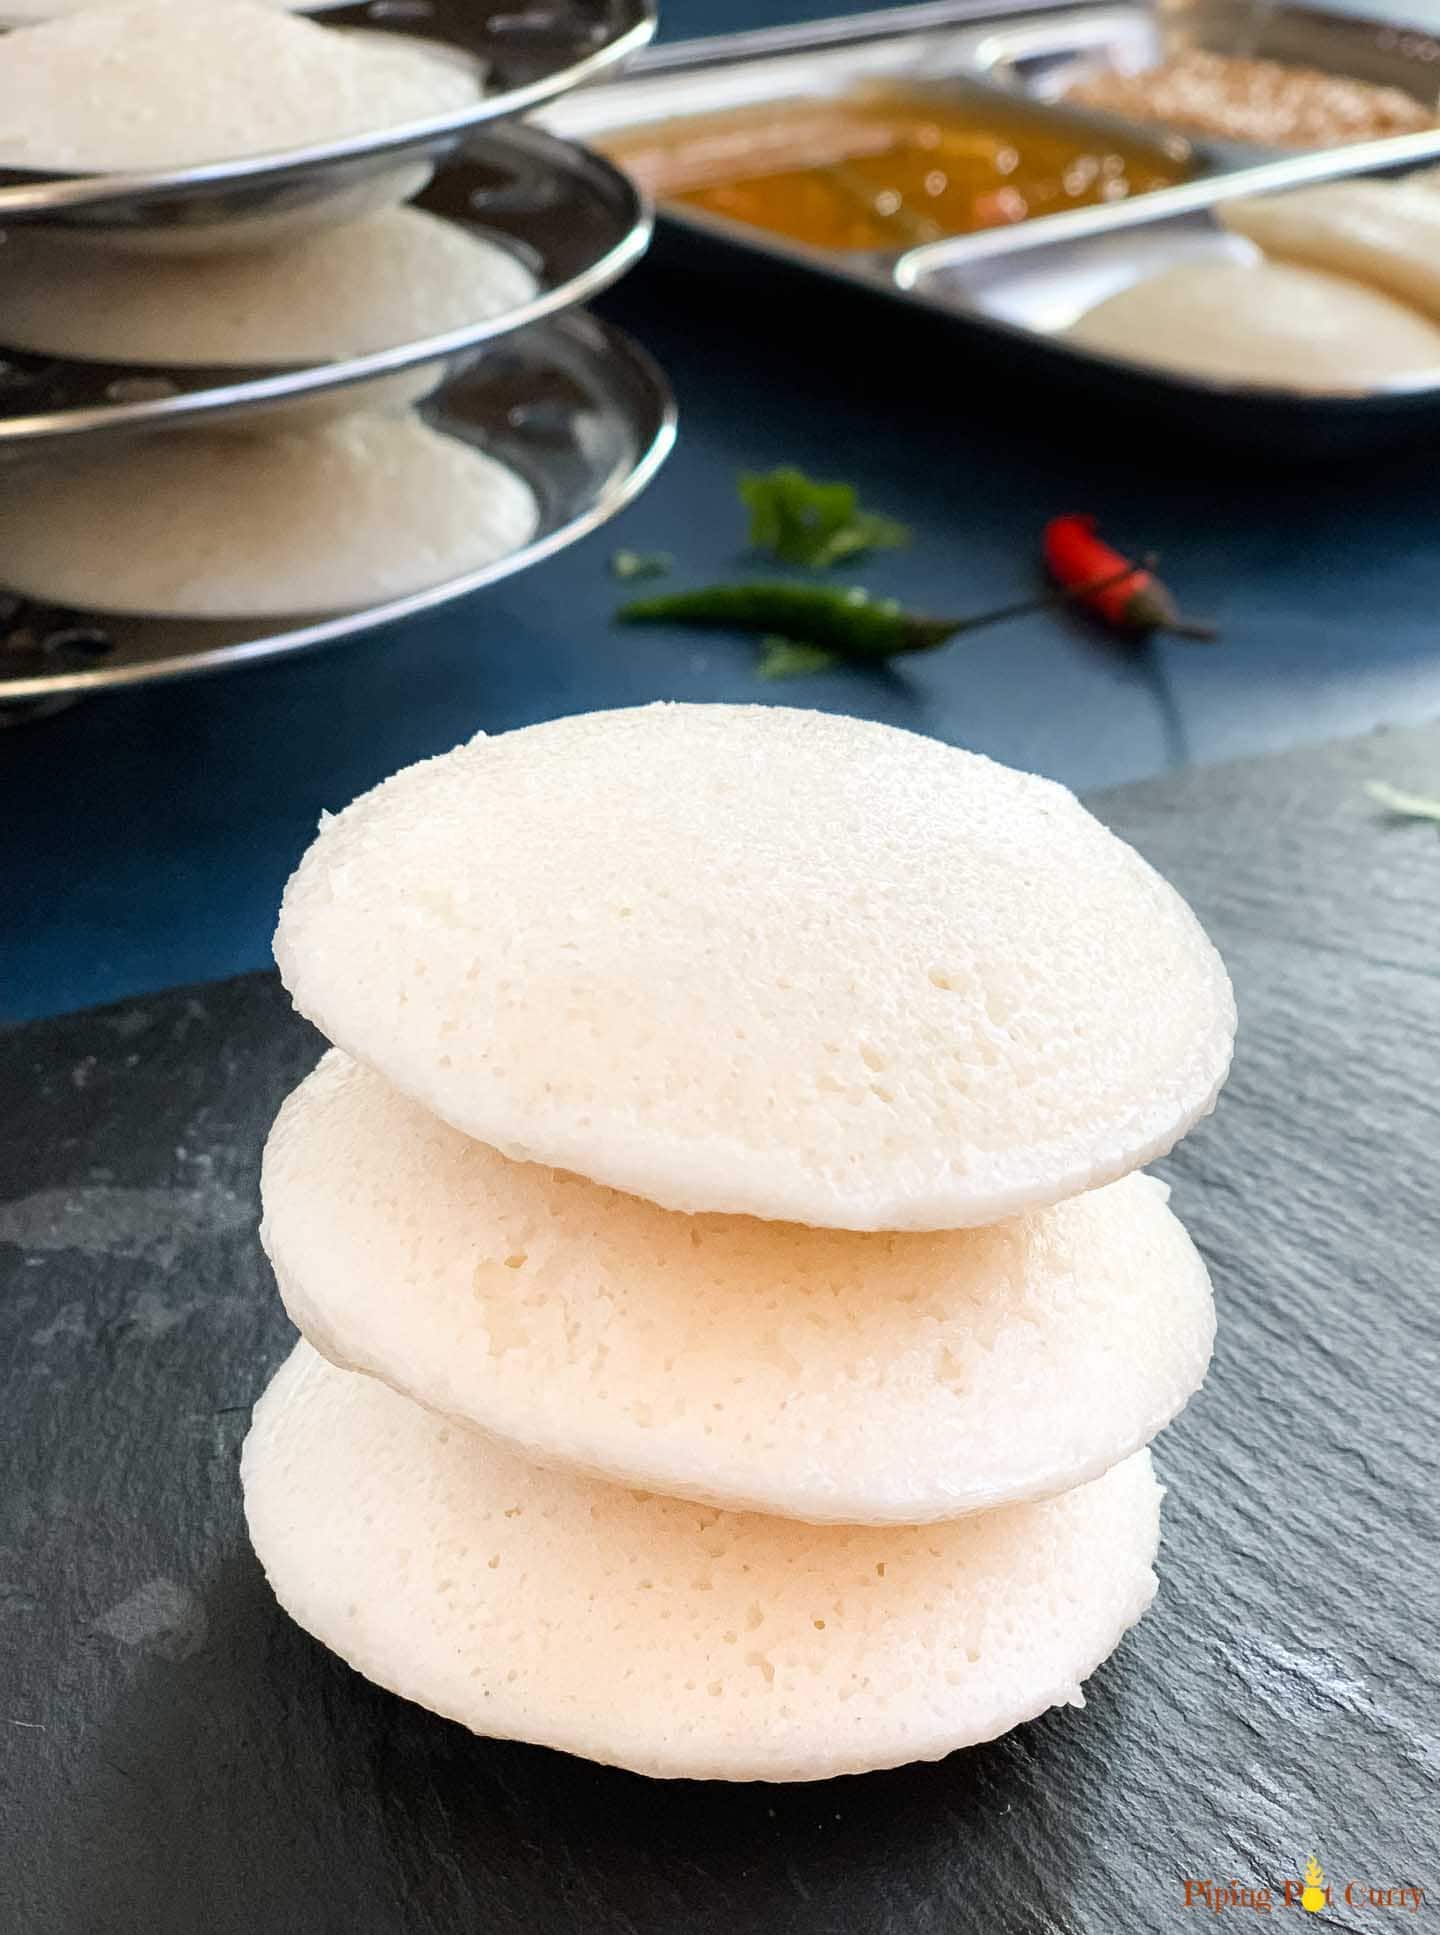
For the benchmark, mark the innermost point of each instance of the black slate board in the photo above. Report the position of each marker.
(177, 1758)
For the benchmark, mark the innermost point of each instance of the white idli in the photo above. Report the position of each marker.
(818, 1374)
(1267, 323)
(664, 1637)
(377, 284)
(154, 84)
(766, 961)
(205, 524)
(1385, 234)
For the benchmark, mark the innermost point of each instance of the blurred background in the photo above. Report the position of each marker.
(146, 834)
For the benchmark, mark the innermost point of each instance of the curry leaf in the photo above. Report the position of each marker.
(800, 521)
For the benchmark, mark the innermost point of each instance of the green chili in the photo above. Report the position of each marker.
(847, 621)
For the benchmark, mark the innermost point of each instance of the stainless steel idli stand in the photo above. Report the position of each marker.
(567, 402)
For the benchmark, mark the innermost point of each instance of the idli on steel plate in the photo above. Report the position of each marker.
(375, 284)
(1267, 323)
(764, 961)
(666, 1637)
(1382, 233)
(159, 84)
(209, 524)
(818, 1374)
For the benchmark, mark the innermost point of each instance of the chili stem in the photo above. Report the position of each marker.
(1062, 595)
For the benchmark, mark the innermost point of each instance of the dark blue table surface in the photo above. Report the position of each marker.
(145, 837)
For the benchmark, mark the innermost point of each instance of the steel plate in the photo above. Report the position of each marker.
(571, 217)
(536, 50)
(572, 405)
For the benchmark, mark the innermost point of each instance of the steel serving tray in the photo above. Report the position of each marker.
(528, 54)
(1015, 287)
(935, 44)
(572, 218)
(1045, 55)
(572, 405)
(1020, 289)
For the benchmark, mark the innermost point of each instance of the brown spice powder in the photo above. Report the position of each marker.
(1261, 101)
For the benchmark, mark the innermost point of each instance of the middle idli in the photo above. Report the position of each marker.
(376, 284)
(817, 1374)
(764, 961)
(208, 524)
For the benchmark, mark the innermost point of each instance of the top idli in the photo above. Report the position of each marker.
(154, 84)
(764, 961)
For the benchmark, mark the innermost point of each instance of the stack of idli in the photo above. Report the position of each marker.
(286, 513)
(733, 1317)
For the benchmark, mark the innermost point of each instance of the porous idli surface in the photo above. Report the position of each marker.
(204, 524)
(152, 84)
(1385, 234)
(764, 961)
(1273, 324)
(392, 279)
(667, 1637)
(820, 1374)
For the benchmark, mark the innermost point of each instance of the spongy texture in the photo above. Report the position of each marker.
(763, 961)
(820, 1374)
(667, 1637)
(377, 284)
(1268, 323)
(152, 84)
(212, 525)
(1383, 233)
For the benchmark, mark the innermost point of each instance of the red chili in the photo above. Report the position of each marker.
(1127, 596)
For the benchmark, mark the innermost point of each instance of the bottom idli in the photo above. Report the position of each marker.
(665, 1637)
(1274, 324)
(825, 1375)
(214, 524)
